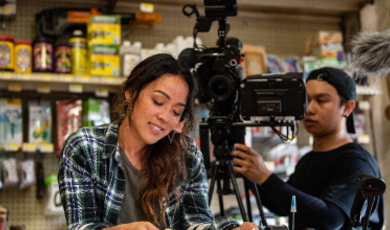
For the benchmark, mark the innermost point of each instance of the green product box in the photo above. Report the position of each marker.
(95, 112)
(104, 29)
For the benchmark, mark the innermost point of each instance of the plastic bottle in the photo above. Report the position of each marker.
(130, 57)
(79, 52)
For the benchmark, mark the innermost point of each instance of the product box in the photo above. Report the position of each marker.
(104, 60)
(327, 46)
(11, 131)
(104, 29)
(95, 112)
(40, 122)
(255, 61)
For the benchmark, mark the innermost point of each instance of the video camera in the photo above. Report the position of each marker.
(271, 99)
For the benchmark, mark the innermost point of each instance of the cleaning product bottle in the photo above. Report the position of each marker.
(130, 57)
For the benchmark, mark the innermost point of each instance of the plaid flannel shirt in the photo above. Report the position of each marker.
(92, 184)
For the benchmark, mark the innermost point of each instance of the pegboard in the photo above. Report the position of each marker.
(280, 36)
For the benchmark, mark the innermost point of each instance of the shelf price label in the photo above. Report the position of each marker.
(83, 78)
(29, 147)
(108, 79)
(46, 148)
(100, 92)
(66, 77)
(5, 75)
(14, 87)
(43, 89)
(11, 146)
(146, 7)
(363, 139)
(44, 77)
(75, 88)
(24, 76)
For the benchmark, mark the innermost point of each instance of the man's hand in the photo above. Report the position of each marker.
(134, 226)
(247, 226)
(251, 164)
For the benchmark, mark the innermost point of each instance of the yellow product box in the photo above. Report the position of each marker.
(104, 60)
(104, 29)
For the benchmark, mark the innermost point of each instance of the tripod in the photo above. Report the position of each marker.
(223, 136)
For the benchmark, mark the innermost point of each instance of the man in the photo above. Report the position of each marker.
(323, 181)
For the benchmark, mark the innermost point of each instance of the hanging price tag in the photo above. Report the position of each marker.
(14, 87)
(43, 89)
(101, 92)
(28, 147)
(75, 88)
(363, 139)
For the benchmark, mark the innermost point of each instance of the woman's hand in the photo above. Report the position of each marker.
(134, 226)
(247, 226)
(251, 164)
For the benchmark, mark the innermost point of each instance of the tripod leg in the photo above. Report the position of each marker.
(221, 208)
(248, 200)
(212, 183)
(236, 191)
(258, 201)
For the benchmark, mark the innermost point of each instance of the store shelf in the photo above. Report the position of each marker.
(368, 90)
(59, 82)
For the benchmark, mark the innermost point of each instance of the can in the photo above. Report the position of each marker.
(7, 53)
(23, 57)
(79, 55)
(43, 55)
(62, 57)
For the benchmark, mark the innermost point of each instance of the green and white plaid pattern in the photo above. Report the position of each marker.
(92, 184)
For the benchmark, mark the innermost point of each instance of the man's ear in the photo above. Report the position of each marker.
(349, 106)
(180, 126)
(128, 94)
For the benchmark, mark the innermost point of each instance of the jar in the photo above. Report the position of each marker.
(62, 57)
(78, 45)
(23, 57)
(7, 53)
(43, 55)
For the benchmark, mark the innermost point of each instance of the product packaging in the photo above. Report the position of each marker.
(79, 53)
(40, 122)
(26, 173)
(291, 64)
(274, 64)
(7, 53)
(23, 54)
(255, 61)
(62, 58)
(104, 60)
(43, 54)
(68, 120)
(9, 172)
(95, 112)
(104, 29)
(11, 132)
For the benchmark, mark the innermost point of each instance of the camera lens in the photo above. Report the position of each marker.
(220, 87)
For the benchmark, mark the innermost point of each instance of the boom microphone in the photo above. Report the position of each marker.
(371, 53)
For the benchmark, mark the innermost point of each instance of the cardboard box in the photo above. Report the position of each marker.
(255, 61)
(104, 60)
(104, 29)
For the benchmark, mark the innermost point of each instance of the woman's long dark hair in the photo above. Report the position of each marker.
(164, 164)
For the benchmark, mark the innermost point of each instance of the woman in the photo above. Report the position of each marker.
(142, 171)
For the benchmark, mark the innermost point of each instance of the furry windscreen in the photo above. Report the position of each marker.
(371, 53)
